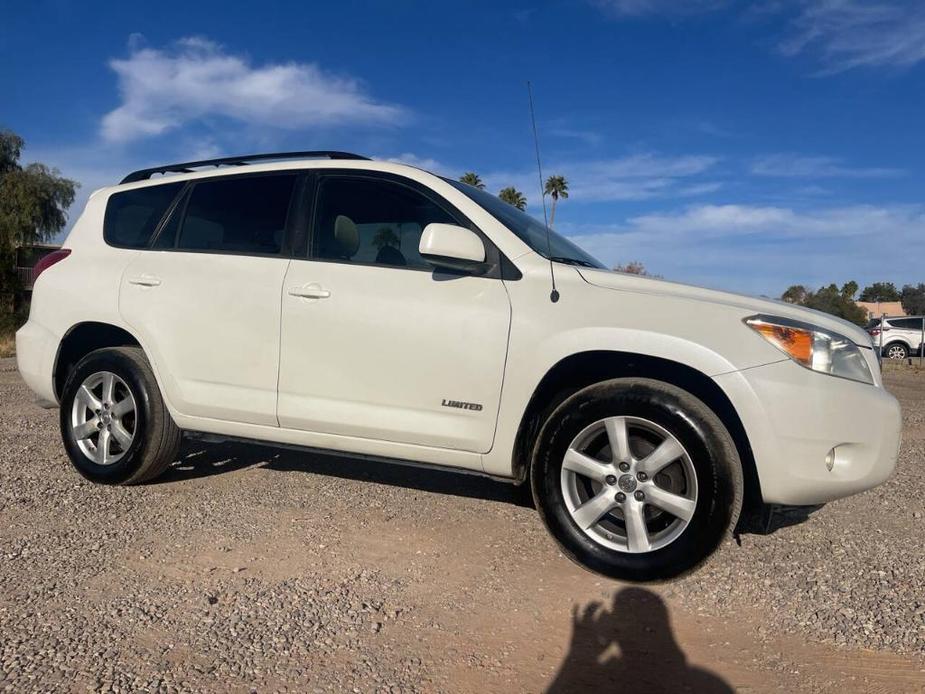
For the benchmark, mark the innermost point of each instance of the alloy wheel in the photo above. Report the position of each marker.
(103, 418)
(629, 484)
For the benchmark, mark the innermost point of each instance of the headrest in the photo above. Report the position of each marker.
(347, 235)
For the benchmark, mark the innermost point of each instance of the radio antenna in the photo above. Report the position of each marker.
(554, 294)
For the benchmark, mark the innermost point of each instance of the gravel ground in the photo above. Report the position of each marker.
(249, 568)
(853, 574)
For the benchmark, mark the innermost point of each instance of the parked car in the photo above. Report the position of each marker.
(902, 336)
(378, 310)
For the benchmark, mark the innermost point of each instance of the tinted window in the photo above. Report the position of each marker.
(531, 231)
(906, 323)
(373, 222)
(237, 215)
(132, 216)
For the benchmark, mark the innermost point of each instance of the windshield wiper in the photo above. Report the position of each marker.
(572, 261)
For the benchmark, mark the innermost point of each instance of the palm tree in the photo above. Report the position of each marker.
(473, 179)
(556, 187)
(514, 197)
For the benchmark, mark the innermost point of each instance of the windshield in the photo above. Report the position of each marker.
(527, 229)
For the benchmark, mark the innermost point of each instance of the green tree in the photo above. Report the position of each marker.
(830, 299)
(880, 291)
(913, 298)
(556, 187)
(514, 197)
(33, 205)
(795, 294)
(473, 179)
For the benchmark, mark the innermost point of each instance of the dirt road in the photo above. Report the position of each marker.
(249, 568)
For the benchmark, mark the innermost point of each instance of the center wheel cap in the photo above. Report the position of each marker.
(627, 483)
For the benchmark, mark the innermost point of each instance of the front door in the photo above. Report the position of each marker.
(376, 344)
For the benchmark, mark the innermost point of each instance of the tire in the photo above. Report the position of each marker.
(896, 350)
(142, 437)
(704, 483)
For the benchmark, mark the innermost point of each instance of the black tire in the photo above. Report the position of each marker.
(896, 350)
(156, 437)
(712, 453)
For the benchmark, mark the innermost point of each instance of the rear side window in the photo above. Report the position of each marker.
(907, 323)
(237, 215)
(133, 215)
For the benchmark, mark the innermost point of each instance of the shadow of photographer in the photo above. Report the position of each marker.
(629, 648)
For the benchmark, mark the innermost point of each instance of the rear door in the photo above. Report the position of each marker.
(376, 344)
(910, 329)
(205, 299)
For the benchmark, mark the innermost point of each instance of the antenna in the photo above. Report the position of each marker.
(554, 294)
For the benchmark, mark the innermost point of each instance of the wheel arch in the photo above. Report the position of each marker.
(83, 338)
(582, 369)
(898, 341)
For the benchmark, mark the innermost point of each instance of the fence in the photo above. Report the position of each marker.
(24, 275)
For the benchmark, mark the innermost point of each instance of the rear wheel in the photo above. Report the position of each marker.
(636, 479)
(897, 350)
(114, 424)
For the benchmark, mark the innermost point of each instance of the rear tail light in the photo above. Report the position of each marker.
(48, 261)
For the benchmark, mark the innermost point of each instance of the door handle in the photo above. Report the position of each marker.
(145, 281)
(310, 291)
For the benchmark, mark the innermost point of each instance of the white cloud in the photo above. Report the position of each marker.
(765, 249)
(163, 89)
(426, 163)
(640, 8)
(854, 33)
(634, 177)
(798, 166)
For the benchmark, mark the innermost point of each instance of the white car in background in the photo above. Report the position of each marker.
(901, 338)
(331, 302)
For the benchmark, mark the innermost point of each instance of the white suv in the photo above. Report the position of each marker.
(902, 336)
(332, 302)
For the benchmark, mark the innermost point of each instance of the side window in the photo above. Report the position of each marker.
(907, 323)
(133, 215)
(363, 220)
(237, 215)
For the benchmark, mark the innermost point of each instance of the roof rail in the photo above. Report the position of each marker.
(187, 167)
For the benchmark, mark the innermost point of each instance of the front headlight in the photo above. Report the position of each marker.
(813, 347)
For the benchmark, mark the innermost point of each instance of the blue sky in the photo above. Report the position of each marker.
(740, 145)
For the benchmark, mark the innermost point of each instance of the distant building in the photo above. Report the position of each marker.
(875, 309)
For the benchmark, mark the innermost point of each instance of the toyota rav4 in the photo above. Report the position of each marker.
(374, 309)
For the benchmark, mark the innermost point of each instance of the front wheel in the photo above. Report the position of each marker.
(636, 479)
(114, 424)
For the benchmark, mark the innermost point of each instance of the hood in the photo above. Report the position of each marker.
(748, 305)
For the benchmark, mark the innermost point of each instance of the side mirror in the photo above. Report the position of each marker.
(451, 246)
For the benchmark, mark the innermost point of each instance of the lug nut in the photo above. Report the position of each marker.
(624, 466)
(639, 496)
(620, 497)
(642, 477)
(610, 479)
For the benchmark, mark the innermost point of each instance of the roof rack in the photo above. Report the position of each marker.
(187, 167)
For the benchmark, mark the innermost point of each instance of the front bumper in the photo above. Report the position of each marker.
(794, 417)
